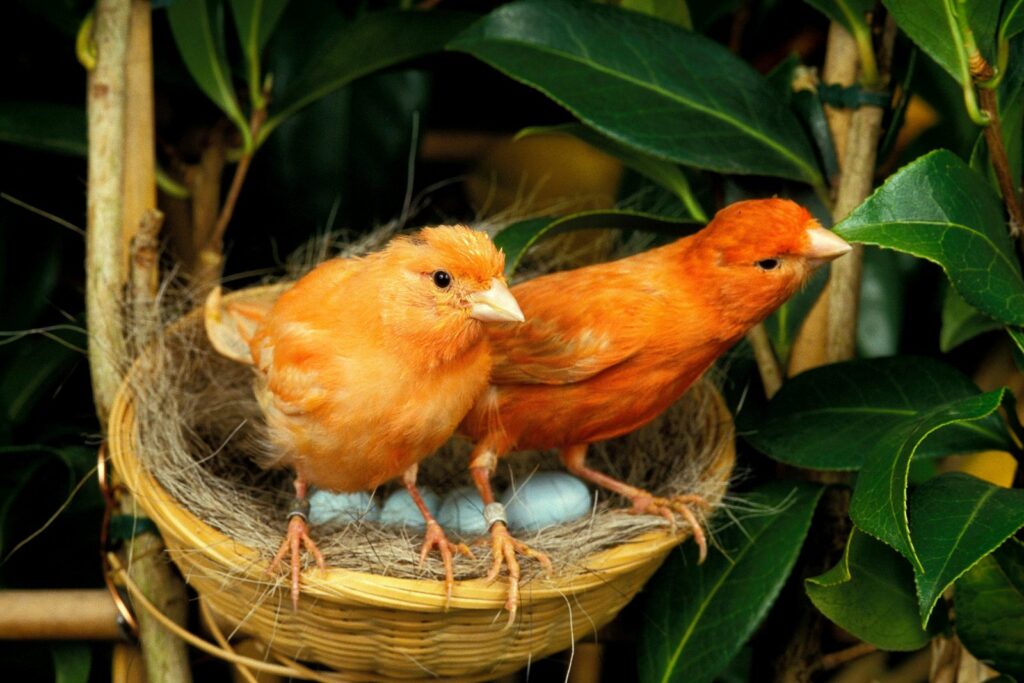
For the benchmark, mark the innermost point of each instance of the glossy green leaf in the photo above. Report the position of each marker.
(938, 209)
(989, 602)
(673, 11)
(664, 173)
(933, 26)
(374, 41)
(879, 503)
(71, 662)
(830, 418)
(43, 125)
(255, 21)
(516, 239)
(961, 322)
(955, 520)
(647, 84)
(870, 593)
(198, 28)
(699, 615)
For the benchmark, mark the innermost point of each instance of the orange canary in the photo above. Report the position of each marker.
(607, 348)
(366, 366)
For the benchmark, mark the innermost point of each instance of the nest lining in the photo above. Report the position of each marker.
(200, 432)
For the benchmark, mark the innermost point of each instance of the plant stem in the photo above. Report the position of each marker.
(831, 661)
(767, 363)
(105, 272)
(981, 71)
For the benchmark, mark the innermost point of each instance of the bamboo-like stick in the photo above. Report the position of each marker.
(86, 614)
(105, 272)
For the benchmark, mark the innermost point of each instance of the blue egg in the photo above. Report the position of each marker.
(546, 499)
(400, 510)
(462, 511)
(326, 507)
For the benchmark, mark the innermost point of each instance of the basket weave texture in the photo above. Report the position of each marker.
(370, 627)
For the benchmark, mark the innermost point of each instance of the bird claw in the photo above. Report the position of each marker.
(504, 549)
(434, 537)
(646, 504)
(297, 535)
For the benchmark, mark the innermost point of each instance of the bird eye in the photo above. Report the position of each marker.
(442, 279)
(768, 264)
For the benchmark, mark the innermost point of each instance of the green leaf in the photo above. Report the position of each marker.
(849, 13)
(938, 209)
(664, 173)
(933, 26)
(699, 615)
(1013, 19)
(882, 301)
(32, 374)
(71, 662)
(255, 21)
(831, 417)
(870, 593)
(374, 41)
(989, 604)
(43, 125)
(198, 28)
(673, 11)
(956, 520)
(879, 503)
(647, 84)
(961, 321)
(516, 239)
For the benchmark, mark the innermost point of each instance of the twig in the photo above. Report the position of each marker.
(767, 363)
(834, 659)
(105, 272)
(981, 72)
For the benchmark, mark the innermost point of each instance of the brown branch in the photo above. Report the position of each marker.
(1000, 161)
(836, 659)
(44, 615)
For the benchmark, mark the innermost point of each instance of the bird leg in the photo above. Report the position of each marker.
(574, 459)
(434, 536)
(504, 547)
(297, 535)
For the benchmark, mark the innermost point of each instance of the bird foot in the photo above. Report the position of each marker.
(297, 535)
(435, 538)
(646, 504)
(504, 549)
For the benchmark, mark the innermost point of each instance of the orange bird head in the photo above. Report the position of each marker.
(444, 282)
(761, 251)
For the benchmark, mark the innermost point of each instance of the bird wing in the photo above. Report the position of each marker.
(230, 325)
(574, 330)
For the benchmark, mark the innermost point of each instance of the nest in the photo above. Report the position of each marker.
(186, 433)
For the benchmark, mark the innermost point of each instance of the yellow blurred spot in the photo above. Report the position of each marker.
(543, 174)
(996, 467)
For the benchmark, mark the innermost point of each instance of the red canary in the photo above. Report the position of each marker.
(607, 348)
(366, 366)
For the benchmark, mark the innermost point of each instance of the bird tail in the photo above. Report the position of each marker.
(231, 325)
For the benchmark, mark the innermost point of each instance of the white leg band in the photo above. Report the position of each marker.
(494, 513)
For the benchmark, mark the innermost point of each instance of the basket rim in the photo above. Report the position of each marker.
(366, 588)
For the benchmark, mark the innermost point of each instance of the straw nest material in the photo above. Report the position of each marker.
(184, 431)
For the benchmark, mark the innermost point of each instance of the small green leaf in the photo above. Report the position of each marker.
(699, 615)
(989, 602)
(961, 321)
(870, 593)
(955, 520)
(647, 84)
(938, 209)
(43, 125)
(830, 418)
(879, 503)
(198, 28)
(673, 11)
(516, 239)
(372, 42)
(71, 662)
(664, 173)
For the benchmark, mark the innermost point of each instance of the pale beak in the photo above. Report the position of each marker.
(496, 305)
(824, 245)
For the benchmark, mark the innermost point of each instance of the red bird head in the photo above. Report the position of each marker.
(759, 252)
(448, 280)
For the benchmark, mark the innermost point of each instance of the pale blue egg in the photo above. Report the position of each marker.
(546, 499)
(327, 507)
(462, 511)
(400, 510)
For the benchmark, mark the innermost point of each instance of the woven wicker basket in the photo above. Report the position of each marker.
(370, 627)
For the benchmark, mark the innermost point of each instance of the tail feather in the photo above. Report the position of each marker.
(230, 325)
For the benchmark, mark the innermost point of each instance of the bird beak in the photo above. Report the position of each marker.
(824, 246)
(496, 305)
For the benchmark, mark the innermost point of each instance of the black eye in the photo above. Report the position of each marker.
(442, 279)
(768, 264)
